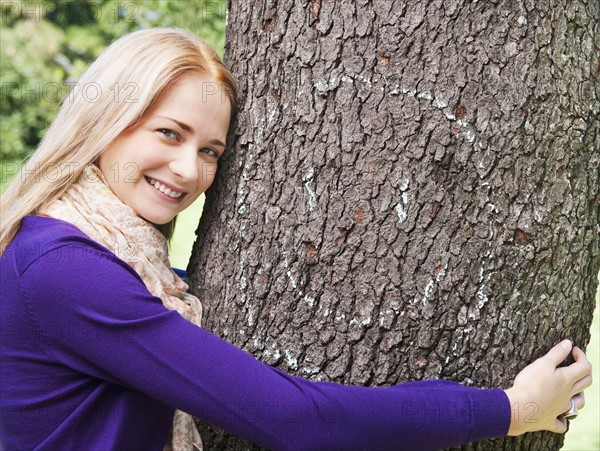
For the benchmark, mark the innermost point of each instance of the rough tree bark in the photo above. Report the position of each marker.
(411, 191)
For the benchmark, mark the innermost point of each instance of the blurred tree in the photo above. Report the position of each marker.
(31, 84)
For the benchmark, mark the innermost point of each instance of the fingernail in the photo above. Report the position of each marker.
(566, 344)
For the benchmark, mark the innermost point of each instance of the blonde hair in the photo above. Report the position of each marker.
(113, 94)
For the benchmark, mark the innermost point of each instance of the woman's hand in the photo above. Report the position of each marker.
(542, 391)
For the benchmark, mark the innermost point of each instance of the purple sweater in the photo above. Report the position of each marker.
(91, 360)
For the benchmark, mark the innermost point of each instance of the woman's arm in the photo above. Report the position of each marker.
(119, 332)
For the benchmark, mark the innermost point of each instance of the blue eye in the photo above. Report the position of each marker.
(170, 134)
(211, 152)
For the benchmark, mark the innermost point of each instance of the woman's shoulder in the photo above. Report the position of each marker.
(45, 228)
(45, 237)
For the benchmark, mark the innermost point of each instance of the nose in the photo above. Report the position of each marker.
(184, 164)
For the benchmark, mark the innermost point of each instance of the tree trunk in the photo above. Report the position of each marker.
(411, 191)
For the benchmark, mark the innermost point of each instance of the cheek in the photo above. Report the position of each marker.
(149, 158)
(123, 161)
(107, 158)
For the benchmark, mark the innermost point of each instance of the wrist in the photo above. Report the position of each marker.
(517, 423)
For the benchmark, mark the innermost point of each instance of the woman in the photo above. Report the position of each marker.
(101, 343)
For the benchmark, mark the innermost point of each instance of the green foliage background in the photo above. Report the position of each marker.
(45, 45)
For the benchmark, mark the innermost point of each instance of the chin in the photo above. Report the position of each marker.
(156, 220)
(160, 222)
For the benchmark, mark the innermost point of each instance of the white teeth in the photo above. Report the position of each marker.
(163, 189)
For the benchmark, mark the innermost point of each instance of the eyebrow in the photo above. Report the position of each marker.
(190, 129)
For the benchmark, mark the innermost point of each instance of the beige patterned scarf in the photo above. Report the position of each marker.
(90, 205)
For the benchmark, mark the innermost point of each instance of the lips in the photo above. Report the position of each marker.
(167, 191)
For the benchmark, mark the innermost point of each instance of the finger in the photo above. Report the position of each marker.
(559, 352)
(579, 355)
(581, 367)
(582, 384)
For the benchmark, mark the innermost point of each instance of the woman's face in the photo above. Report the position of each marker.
(162, 164)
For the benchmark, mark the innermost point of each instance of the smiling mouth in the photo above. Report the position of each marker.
(163, 189)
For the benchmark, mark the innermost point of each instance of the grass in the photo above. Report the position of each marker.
(180, 247)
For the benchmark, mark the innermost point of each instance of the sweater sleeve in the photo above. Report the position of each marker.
(98, 318)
